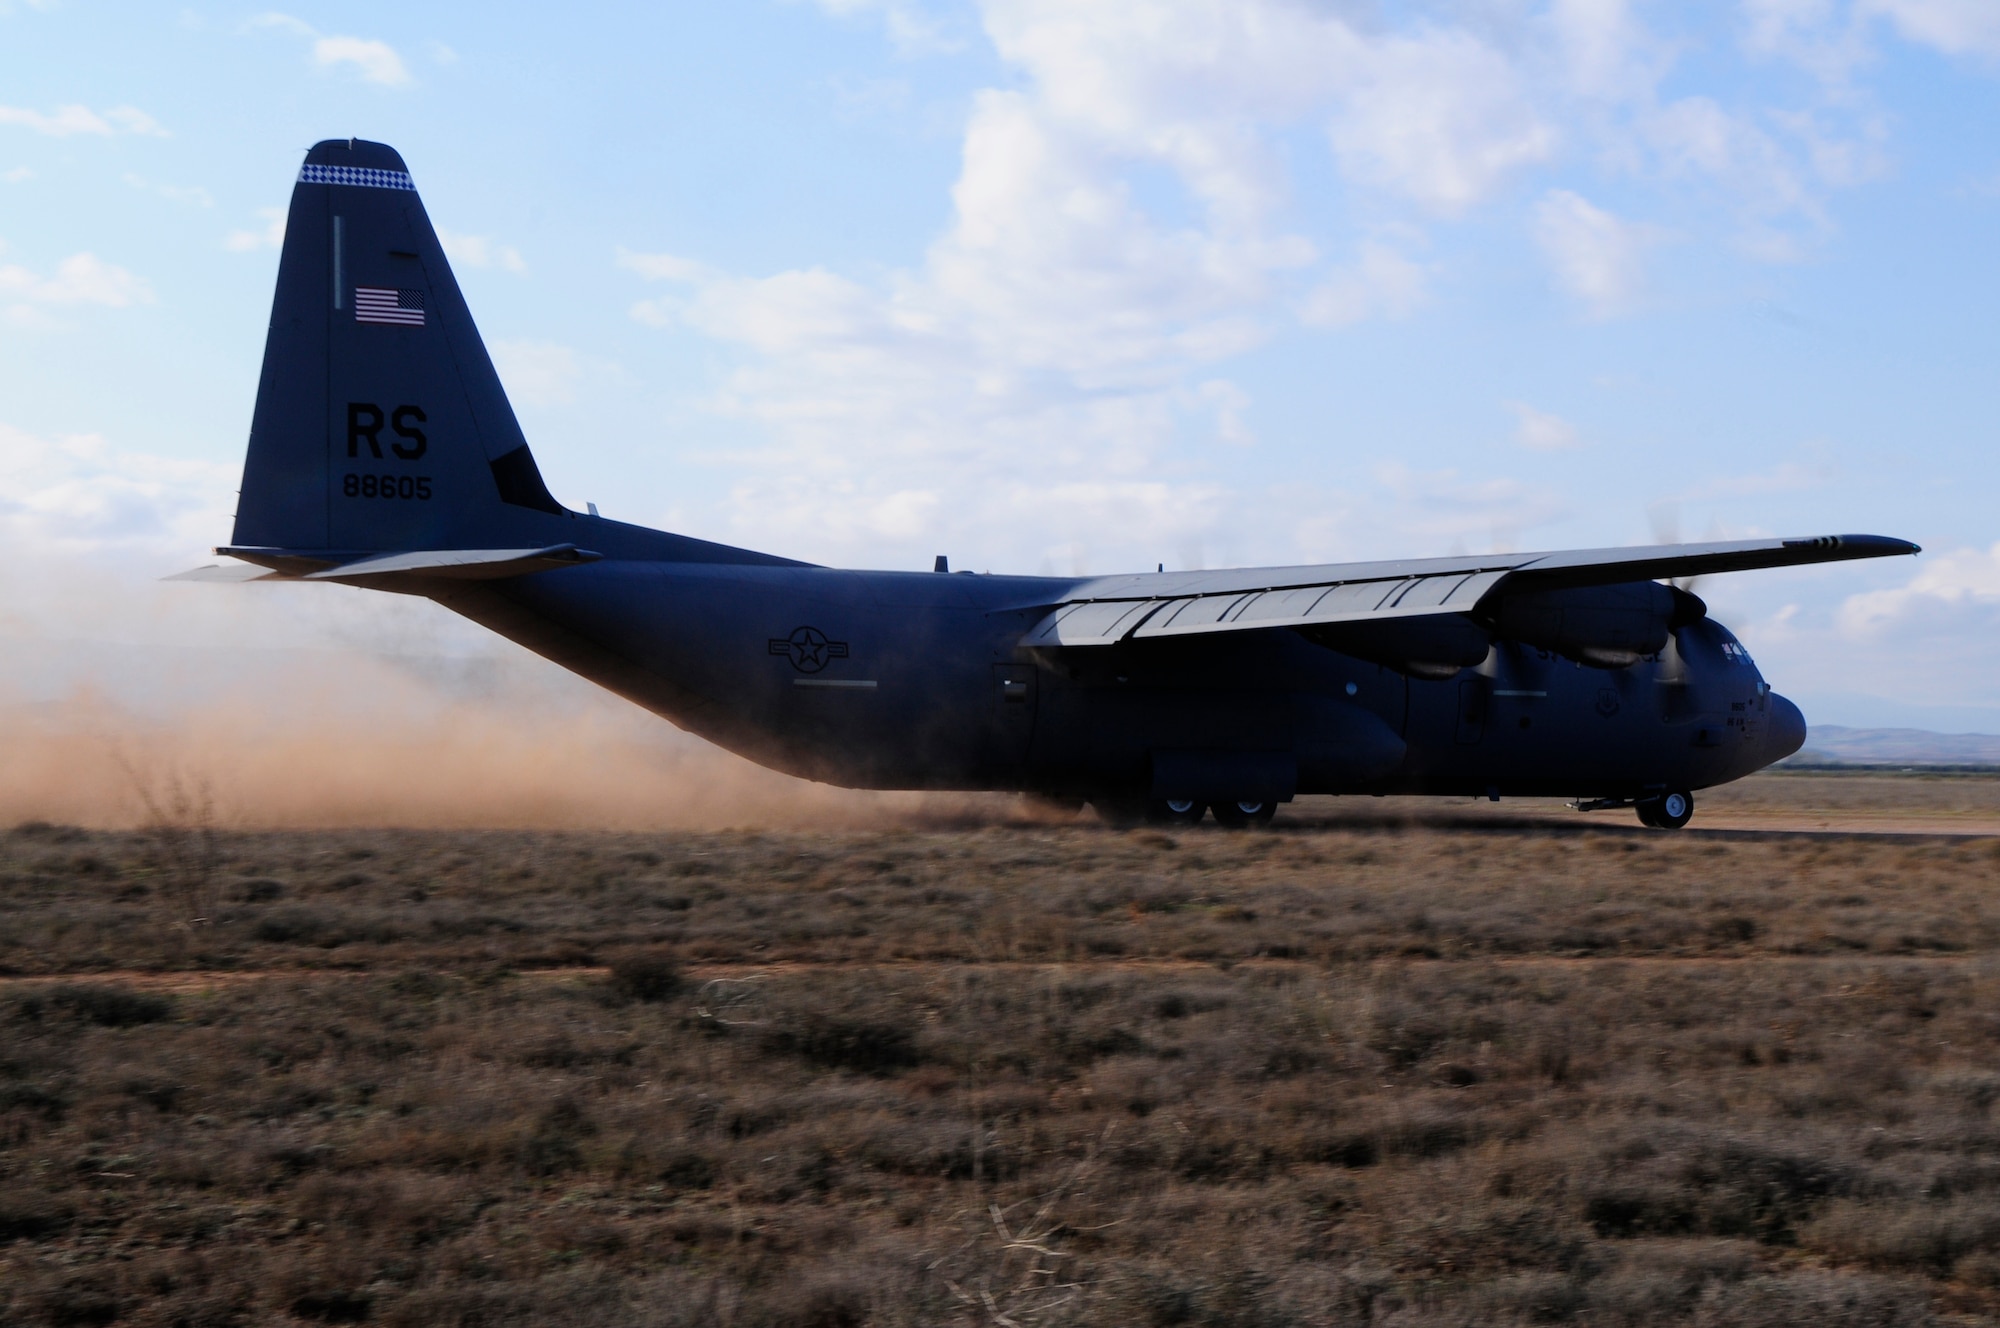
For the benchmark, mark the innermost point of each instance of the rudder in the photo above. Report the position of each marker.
(380, 423)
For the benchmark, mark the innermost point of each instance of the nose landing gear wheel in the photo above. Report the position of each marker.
(1241, 815)
(1669, 811)
(1175, 811)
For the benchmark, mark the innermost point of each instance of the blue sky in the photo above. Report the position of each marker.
(1070, 286)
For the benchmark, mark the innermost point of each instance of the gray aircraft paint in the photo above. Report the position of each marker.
(385, 454)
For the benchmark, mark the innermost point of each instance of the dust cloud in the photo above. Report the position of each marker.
(319, 706)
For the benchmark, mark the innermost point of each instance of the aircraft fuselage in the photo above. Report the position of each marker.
(918, 680)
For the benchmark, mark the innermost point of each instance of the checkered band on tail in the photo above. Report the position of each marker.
(366, 176)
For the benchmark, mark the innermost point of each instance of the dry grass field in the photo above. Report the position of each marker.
(1373, 1066)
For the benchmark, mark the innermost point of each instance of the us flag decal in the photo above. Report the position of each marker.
(375, 304)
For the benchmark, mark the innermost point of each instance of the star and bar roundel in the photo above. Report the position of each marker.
(808, 648)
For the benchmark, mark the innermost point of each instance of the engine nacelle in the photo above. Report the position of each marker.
(1608, 627)
(1421, 647)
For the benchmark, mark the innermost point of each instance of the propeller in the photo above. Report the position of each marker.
(1664, 516)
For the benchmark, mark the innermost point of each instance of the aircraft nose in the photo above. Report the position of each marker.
(1787, 731)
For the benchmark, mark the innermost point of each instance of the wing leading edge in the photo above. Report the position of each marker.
(1109, 610)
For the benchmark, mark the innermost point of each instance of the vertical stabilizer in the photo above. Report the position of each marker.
(380, 422)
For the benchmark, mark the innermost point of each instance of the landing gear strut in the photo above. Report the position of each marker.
(1669, 811)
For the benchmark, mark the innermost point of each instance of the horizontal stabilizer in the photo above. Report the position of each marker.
(290, 563)
(458, 564)
(218, 573)
(389, 570)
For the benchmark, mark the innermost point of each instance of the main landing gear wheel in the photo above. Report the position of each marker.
(1669, 811)
(1175, 811)
(1241, 815)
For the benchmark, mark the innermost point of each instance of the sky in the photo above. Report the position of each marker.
(1061, 287)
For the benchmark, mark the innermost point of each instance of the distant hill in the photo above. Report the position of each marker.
(1837, 744)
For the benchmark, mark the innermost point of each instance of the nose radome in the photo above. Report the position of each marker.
(1787, 731)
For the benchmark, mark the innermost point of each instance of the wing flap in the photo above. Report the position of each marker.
(1200, 613)
(1275, 607)
(1104, 623)
(1090, 624)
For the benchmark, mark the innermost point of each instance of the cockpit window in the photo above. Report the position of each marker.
(1734, 652)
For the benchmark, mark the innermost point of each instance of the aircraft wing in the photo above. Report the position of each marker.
(1107, 610)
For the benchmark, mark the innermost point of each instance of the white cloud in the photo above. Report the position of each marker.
(1230, 404)
(1696, 137)
(1962, 578)
(1812, 33)
(194, 195)
(1785, 477)
(479, 251)
(1441, 118)
(1595, 256)
(298, 27)
(271, 237)
(1382, 283)
(1775, 182)
(375, 61)
(67, 120)
(863, 98)
(537, 373)
(912, 29)
(1606, 53)
(1956, 27)
(1440, 505)
(1840, 158)
(19, 175)
(664, 267)
(79, 279)
(77, 493)
(135, 121)
(1539, 431)
(1434, 114)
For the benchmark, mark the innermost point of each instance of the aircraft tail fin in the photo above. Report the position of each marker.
(380, 423)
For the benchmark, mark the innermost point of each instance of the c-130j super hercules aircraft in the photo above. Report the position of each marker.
(383, 454)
